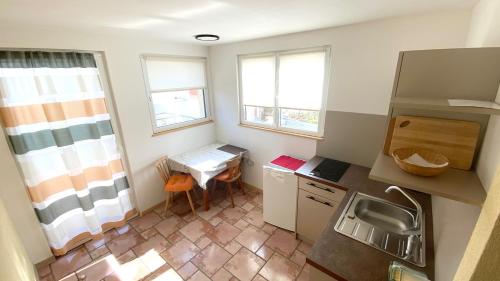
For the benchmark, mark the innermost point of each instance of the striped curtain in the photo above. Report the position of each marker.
(53, 110)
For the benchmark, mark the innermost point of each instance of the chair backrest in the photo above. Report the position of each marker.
(234, 167)
(162, 168)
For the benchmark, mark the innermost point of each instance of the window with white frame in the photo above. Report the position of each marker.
(177, 91)
(285, 91)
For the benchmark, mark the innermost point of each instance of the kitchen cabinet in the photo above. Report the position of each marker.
(316, 204)
(317, 275)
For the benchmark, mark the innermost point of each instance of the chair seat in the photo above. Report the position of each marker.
(226, 176)
(179, 182)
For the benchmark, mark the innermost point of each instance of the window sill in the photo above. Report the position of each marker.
(282, 132)
(182, 128)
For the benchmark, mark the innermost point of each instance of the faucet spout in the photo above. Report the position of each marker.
(418, 218)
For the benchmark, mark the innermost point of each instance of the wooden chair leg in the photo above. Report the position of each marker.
(190, 202)
(230, 190)
(240, 183)
(167, 200)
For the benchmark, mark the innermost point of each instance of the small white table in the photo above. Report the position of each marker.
(205, 163)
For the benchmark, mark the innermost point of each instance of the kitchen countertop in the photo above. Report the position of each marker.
(344, 258)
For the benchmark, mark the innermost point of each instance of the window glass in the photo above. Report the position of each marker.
(177, 91)
(284, 90)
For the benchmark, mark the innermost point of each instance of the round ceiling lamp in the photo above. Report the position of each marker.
(207, 37)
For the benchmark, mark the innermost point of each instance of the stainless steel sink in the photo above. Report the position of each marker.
(386, 226)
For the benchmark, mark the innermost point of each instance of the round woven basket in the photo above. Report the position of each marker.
(401, 156)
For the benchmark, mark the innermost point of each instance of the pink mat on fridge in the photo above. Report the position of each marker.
(288, 162)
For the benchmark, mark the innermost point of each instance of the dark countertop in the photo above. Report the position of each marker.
(347, 259)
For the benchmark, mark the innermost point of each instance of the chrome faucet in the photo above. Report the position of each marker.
(418, 217)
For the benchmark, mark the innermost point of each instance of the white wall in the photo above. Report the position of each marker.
(122, 55)
(364, 62)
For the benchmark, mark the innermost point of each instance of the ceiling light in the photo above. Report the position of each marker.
(207, 37)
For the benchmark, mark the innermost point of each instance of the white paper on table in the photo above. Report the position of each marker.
(473, 103)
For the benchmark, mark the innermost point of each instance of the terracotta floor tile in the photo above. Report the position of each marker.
(233, 247)
(196, 229)
(175, 237)
(108, 236)
(189, 217)
(279, 268)
(215, 221)
(124, 242)
(265, 252)
(252, 238)
(299, 258)
(240, 200)
(223, 233)
(269, 228)
(259, 278)
(304, 247)
(211, 259)
(180, 253)
(99, 269)
(222, 275)
(244, 265)
(241, 224)
(304, 274)
(145, 222)
(99, 252)
(152, 260)
(156, 243)
(207, 215)
(149, 233)
(258, 200)
(71, 277)
(187, 270)
(232, 215)
(255, 217)
(168, 226)
(44, 271)
(248, 206)
(124, 229)
(283, 242)
(164, 273)
(224, 204)
(70, 262)
(126, 257)
(49, 277)
(199, 276)
(203, 242)
(134, 270)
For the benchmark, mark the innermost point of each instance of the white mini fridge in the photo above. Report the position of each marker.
(280, 196)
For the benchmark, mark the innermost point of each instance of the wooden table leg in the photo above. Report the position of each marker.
(206, 199)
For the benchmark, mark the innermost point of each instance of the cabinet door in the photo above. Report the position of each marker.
(314, 212)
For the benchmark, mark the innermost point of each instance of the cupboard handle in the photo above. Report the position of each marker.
(320, 187)
(319, 201)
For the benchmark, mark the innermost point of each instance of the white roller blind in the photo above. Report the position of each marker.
(257, 81)
(171, 73)
(301, 80)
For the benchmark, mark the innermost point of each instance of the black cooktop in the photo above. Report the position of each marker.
(330, 169)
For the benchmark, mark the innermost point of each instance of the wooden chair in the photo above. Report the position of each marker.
(230, 175)
(174, 182)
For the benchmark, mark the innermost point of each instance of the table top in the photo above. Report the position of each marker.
(205, 162)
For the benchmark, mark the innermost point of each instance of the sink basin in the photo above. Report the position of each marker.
(385, 226)
(385, 216)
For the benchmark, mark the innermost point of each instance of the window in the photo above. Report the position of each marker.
(177, 91)
(285, 91)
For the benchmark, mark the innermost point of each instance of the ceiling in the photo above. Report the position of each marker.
(236, 20)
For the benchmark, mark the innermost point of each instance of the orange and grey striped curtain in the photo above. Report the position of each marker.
(53, 110)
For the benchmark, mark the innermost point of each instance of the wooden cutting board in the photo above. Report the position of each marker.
(456, 139)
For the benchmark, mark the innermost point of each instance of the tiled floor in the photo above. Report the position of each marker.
(222, 244)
